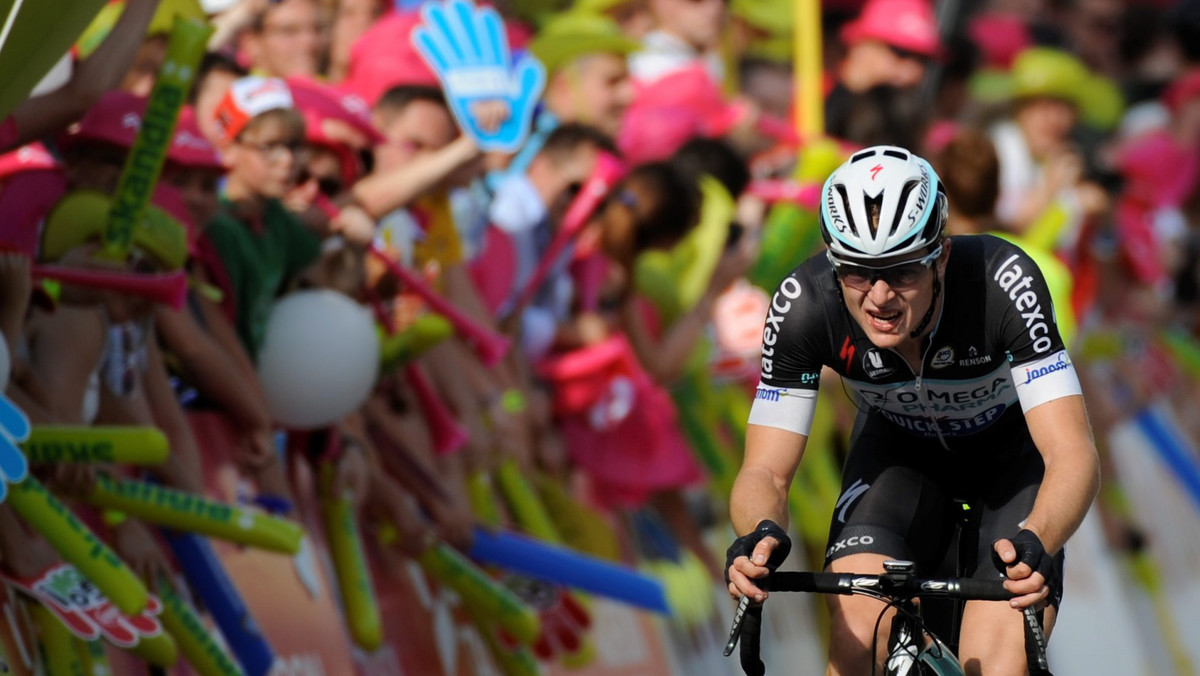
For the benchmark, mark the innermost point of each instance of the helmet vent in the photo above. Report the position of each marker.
(873, 206)
(863, 155)
(896, 154)
(904, 193)
(842, 193)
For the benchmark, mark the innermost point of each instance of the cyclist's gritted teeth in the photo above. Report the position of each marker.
(884, 320)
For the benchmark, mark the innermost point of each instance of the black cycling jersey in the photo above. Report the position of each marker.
(994, 343)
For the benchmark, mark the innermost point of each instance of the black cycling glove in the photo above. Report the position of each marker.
(1032, 553)
(744, 546)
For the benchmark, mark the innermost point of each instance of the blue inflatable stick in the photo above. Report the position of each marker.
(1172, 450)
(14, 428)
(560, 565)
(216, 591)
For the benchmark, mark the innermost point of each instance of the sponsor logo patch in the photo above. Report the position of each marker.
(1018, 285)
(1032, 374)
(781, 303)
(874, 364)
(942, 358)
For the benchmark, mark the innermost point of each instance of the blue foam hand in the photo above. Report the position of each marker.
(14, 428)
(468, 51)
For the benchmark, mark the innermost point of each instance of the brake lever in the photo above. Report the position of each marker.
(735, 630)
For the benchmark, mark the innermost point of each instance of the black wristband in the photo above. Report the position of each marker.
(744, 545)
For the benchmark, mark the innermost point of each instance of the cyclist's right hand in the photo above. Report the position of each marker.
(754, 555)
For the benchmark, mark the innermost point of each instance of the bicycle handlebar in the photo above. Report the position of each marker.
(889, 586)
(898, 587)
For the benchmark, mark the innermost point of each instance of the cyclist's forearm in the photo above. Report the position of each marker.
(1070, 484)
(757, 496)
(761, 488)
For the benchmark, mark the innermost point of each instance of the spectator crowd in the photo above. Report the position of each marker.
(567, 333)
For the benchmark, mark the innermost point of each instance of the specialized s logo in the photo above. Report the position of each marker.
(875, 171)
(1013, 280)
(874, 364)
(847, 353)
(781, 303)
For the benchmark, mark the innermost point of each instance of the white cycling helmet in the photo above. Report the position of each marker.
(901, 188)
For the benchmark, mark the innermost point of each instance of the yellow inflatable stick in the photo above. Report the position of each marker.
(56, 643)
(103, 24)
(481, 592)
(526, 506)
(426, 332)
(195, 640)
(78, 545)
(188, 512)
(189, 38)
(93, 657)
(512, 661)
(583, 529)
(160, 650)
(350, 565)
(124, 445)
(483, 498)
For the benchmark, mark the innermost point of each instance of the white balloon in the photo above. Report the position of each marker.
(319, 359)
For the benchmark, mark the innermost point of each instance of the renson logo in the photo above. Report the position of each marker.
(781, 303)
(1013, 280)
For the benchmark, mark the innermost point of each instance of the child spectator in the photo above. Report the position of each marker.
(259, 246)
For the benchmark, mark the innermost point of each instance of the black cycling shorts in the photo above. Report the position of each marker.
(902, 497)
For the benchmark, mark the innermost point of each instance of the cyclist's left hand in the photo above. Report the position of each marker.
(1028, 568)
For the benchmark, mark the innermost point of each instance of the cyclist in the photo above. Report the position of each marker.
(949, 347)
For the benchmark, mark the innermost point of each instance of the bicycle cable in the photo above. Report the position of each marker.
(918, 623)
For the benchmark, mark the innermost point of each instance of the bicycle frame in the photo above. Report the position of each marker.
(907, 649)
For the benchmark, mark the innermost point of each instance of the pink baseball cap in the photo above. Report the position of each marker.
(1000, 37)
(33, 157)
(189, 148)
(320, 103)
(116, 119)
(1182, 89)
(679, 106)
(906, 24)
(385, 57)
(336, 120)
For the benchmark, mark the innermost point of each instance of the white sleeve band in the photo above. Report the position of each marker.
(783, 408)
(1046, 379)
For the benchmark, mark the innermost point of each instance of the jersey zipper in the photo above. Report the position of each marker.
(918, 375)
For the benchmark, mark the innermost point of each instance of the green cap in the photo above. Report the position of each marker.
(575, 34)
(1042, 72)
(1050, 73)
